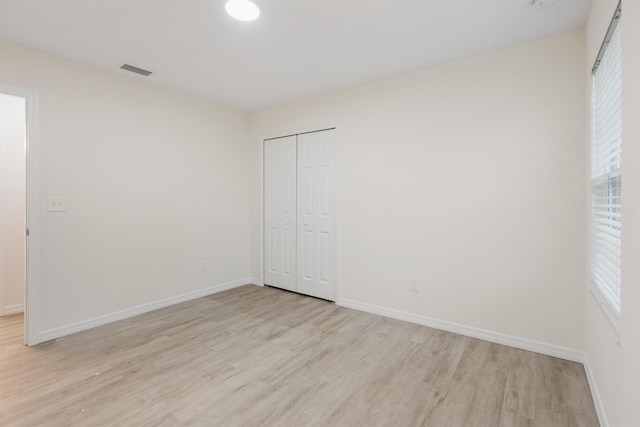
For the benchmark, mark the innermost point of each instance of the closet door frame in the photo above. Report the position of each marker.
(260, 281)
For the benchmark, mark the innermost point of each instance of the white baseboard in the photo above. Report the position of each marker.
(595, 394)
(256, 281)
(483, 334)
(13, 309)
(61, 331)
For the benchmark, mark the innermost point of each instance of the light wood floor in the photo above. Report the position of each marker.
(260, 356)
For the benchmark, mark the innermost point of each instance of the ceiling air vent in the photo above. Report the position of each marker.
(136, 70)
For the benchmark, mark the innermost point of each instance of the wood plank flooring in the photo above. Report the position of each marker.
(256, 356)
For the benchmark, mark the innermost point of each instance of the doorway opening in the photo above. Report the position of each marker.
(18, 208)
(13, 202)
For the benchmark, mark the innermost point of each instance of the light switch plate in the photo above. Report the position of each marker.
(56, 204)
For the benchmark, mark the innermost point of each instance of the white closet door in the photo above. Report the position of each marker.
(280, 212)
(317, 214)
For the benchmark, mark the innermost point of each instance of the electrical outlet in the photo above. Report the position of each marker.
(204, 267)
(56, 204)
(414, 284)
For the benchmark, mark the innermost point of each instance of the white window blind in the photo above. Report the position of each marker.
(606, 171)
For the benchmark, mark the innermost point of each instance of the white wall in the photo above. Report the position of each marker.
(12, 203)
(155, 182)
(615, 369)
(469, 176)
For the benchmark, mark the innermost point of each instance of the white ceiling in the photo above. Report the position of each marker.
(296, 49)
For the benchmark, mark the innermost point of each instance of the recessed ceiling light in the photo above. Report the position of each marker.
(242, 10)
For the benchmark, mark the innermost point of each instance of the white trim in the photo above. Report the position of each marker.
(483, 334)
(61, 331)
(13, 309)
(32, 288)
(256, 281)
(595, 394)
(261, 216)
(337, 192)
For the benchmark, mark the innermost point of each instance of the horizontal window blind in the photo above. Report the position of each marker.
(606, 172)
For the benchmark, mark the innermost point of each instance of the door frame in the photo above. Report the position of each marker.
(275, 135)
(32, 285)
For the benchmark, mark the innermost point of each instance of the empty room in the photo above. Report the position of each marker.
(320, 213)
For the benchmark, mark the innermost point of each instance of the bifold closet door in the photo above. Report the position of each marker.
(280, 159)
(317, 214)
(300, 213)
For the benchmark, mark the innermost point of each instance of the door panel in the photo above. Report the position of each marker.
(316, 214)
(280, 213)
(324, 254)
(307, 255)
(288, 253)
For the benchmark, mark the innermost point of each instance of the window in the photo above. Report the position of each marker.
(606, 172)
